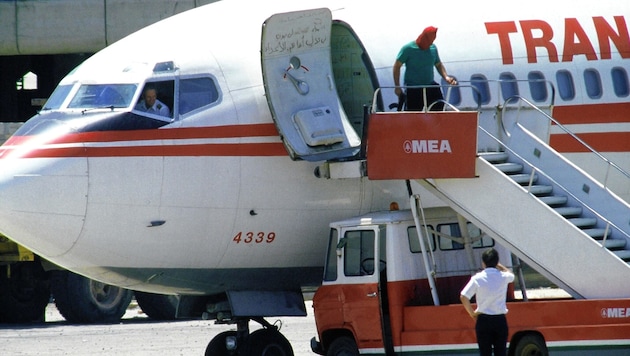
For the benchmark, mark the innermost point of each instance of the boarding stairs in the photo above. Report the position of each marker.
(548, 212)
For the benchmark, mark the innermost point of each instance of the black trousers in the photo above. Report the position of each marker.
(415, 98)
(492, 333)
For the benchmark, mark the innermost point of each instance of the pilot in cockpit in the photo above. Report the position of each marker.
(151, 104)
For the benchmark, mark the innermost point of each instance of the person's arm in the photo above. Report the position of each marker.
(502, 268)
(468, 306)
(442, 70)
(396, 70)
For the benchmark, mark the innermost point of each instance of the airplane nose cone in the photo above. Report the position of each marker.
(43, 199)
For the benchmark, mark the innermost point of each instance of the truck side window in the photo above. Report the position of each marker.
(414, 244)
(452, 229)
(330, 269)
(359, 253)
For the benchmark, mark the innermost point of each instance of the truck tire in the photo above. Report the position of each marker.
(83, 301)
(531, 345)
(157, 306)
(24, 296)
(343, 346)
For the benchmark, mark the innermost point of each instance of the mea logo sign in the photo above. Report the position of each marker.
(615, 313)
(427, 146)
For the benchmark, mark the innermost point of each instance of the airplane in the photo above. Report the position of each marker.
(227, 198)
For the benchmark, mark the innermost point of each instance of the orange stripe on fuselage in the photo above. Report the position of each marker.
(601, 142)
(232, 149)
(18, 146)
(230, 131)
(592, 115)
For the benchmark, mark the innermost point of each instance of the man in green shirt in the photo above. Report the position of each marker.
(420, 57)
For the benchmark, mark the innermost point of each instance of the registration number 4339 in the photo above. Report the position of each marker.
(254, 237)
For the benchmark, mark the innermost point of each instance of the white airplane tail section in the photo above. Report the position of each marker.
(549, 212)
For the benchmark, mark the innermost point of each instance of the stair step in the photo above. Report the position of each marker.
(583, 222)
(523, 178)
(494, 157)
(540, 189)
(615, 244)
(509, 167)
(623, 254)
(597, 234)
(553, 200)
(569, 210)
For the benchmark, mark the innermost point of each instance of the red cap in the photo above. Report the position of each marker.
(427, 37)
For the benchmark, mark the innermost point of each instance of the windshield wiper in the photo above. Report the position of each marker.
(110, 107)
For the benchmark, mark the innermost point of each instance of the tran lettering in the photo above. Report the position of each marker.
(538, 38)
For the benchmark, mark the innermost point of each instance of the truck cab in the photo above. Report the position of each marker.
(375, 266)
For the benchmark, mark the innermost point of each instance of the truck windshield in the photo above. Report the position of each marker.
(103, 95)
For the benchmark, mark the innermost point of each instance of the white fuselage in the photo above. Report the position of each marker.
(210, 200)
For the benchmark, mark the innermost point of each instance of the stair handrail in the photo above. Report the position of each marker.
(556, 184)
(610, 164)
(496, 91)
(447, 104)
(416, 204)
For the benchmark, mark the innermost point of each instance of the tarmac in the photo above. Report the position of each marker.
(139, 335)
(135, 335)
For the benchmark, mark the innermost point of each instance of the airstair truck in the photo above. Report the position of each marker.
(392, 279)
(378, 298)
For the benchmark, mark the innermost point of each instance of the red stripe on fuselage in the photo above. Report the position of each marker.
(231, 131)
(592, 115)
(600, 142)
(232, 149)
(20, 144)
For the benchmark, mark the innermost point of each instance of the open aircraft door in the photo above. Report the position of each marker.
(300, 86)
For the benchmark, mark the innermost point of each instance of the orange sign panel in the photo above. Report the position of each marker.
(416, 145)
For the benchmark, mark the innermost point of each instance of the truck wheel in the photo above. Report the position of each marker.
(216, 347)
(24, 296)
(157, 306)
(268, 342)
(84, 301)
(343, 346)
(531, 345)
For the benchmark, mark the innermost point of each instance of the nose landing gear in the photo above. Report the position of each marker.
(267, 341)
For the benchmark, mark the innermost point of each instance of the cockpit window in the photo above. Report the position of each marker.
(195, 93)
(103, 95)
(57, 98)
(157, 99)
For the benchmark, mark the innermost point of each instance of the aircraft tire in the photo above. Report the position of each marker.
(83, 301)
(216, 347)
(157, 306)
(343, 346)
(24, 296)
(268, 342)
(531, 345)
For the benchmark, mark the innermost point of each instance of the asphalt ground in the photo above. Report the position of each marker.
(137, 335)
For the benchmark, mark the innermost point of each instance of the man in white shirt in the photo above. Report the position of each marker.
(490, 287)
(151, 104)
